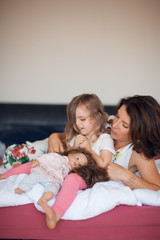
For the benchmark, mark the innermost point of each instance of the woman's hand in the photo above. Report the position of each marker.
(116, 172)
(55, 143)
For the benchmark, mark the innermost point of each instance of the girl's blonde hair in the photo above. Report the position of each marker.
(96, 108)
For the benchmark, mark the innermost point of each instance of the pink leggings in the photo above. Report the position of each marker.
(23, 168)
(72, 183)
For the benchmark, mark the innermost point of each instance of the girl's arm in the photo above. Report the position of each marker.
(150, 177)
(104, 159)
(23, 168)
(55, 142)
(72, 183)
(106, 148)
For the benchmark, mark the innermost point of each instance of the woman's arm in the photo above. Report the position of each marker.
(55, 142)
(150, 177)
(148, 171)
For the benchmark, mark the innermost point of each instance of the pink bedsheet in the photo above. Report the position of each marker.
(123, 222)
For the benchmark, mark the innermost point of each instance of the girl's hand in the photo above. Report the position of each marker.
(34, 163)
(54, 143)
(78, 140)
(2, 177)
(82, 141)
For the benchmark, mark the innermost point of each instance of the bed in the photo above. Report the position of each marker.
(125, 214)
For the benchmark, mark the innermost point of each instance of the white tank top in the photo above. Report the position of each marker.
(123, 155)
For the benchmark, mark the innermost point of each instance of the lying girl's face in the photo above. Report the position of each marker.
(85, 123)
(121, 126)
(77, 160)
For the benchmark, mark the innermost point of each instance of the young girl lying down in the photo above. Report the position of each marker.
(51, 169)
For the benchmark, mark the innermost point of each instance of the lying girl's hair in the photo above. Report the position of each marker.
(144, 112)
(90, 172)
(96, 108)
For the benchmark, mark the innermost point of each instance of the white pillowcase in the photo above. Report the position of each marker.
(148, 197)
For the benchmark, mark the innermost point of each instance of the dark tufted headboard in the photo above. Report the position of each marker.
(22, 122)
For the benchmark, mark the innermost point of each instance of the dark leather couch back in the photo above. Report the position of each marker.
(31, 122)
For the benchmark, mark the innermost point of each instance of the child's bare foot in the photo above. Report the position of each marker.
(51, 216)
(18, 190)
(45, 198)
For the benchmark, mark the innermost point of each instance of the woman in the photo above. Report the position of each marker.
(137, 122)
(136, 134)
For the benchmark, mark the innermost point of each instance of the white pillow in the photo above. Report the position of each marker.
(148, 197)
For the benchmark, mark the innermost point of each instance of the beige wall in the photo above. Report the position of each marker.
(52, 50)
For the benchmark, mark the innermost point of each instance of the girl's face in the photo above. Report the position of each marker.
(121, 126)
(84, 121)
(77, 160)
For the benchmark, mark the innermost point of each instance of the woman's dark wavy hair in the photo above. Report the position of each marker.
(144, 112)
(90, 172)
(94, 105)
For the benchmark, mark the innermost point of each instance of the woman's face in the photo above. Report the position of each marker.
(121, 126)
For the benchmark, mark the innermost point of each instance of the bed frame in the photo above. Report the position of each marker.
(21, 122)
